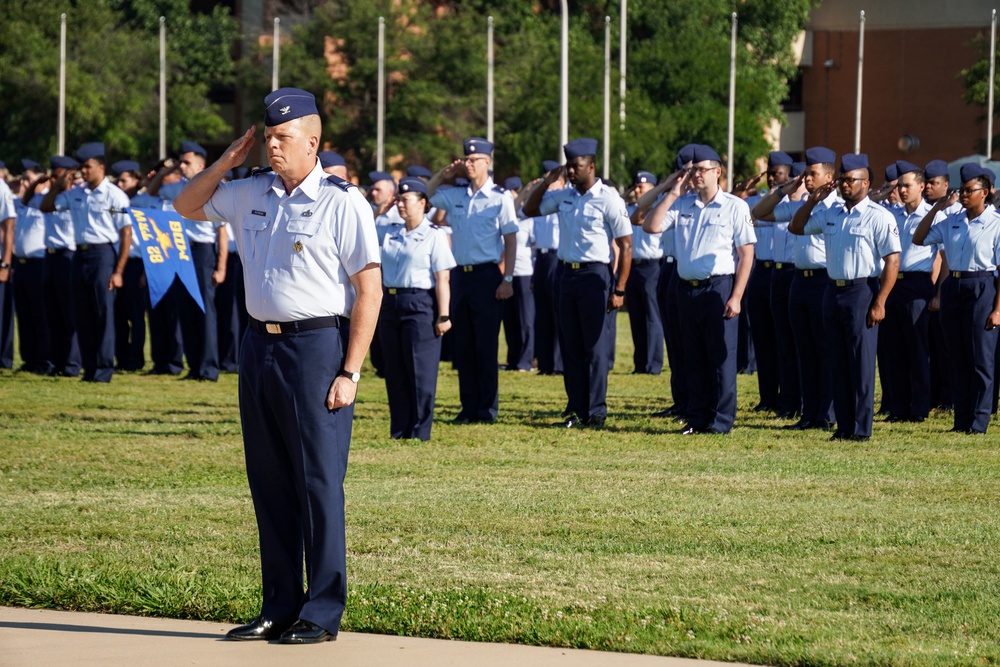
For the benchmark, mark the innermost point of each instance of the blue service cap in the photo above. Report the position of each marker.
(971, 170)
(852, 161)
(702, 152)
(331, 159)
(192, 147)
(477, 146)
(63, 162)
(512, 183)
(27, 164)
(120, 167)
(904, 167)
(891, 173)
(413, 184)
(578, 147)
(287, 104)
(643, 177)
(820, 155)
(797, 169)
(778, 159)
(684, 155)
(376, 176)
(936, 168)
(91, 150)
(549, 165)
(419, 171)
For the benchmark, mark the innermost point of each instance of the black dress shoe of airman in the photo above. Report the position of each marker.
(304, 632)
(595, 422)
(800, 425)
(259, 628)
(691, 430)
(839, 435)
(572, 422)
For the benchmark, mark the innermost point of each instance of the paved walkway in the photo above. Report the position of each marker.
(42, 637)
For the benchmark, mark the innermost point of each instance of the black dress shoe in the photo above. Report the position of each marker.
(460, 420)
(859, 438)
(839, 435)
(304, 632)
(571, 422)
(760, 407)
(663, 414)
(259, 628)
(691, 430)
(821, 424)
(800, 425)
(594, 422)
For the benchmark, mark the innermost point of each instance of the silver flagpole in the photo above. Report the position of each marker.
(276, 51)
(61, 123)
(861, 68)
(489, 80)
(163, 87)
(621, 72)
(564, 83)
(989, 103)
(730, 167)
(606, 166)
(380, 142)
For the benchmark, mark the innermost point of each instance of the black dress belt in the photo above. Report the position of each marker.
(468, 268)
(404, 290)
(294, 327)
(971, 274)
(913, 275)
(848, 283)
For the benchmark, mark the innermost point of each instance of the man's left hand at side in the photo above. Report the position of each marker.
(342, 393)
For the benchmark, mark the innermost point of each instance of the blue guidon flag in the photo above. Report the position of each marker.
(165, 252)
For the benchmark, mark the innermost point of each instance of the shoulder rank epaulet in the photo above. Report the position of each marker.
(498, 188)
(341, 183)
(257, 171)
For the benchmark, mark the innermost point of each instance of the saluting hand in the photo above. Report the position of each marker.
(823, 191)
(792, 186)
(743, 187)
(342, 393)
(237, 152)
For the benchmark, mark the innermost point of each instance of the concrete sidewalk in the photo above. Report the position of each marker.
(42, 637)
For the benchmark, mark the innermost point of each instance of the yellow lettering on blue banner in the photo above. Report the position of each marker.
(180, 243)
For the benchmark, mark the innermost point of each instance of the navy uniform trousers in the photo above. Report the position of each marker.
(94, 306)
(165, 345)
(519, 325)
(59, 311)
(904, 337)
(231, 309)
(941, 392)
(789, 394)
(644, 315)
(7, 324)
(670, 315)
(805, 312)
(583, 305)
(475, 315)
(411, 351)
(851, 348)
(130, 318)
(296, 455)
(966, 303)
(546, 290)
(200, 329)
(758, 303)
(32, 327)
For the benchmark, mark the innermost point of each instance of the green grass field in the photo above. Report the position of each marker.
(762, 546)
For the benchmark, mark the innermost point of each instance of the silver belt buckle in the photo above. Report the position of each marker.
(272, 327)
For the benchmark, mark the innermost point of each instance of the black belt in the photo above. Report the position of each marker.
(91, 246)
(25, 260)
(643, 262)
(704, 281)
(970, 274)
(784, 266)
(57, 251)
(469, 268)
(404, 290)
(811, 273)
(294, 327)
(545, 251)
(767, 264)
(848, 283)
(912, 275)
(579, 265)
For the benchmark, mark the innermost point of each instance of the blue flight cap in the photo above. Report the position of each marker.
(63, 162)
(643, 177)
(512, 183)
(778, 159)
(988, 173)
(797, 169)
(936, 168)
(904, 167)
(413, 184)
(27, 164)
(287, 104)
(684, 155)
(852, 161)
(579, 147)
(820, 155)
(376, 176)
(702, 153)
(331, 159)
(891, 173)
(192, 147)
(477, 146)
(91, 150)
(971, 170)
(120, 167)
(418, 171)
(549, 165)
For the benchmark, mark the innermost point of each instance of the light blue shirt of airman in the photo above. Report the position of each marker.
(523, 260)
(706, 235)
(969, 245)
(299, 249)
(546, 232)
(645, 246)
(587, 222)
(198, 231)
(29, 229)
(763, 250)
(98, 214)
(7, 209)
(387, 222)
(410, 259)
(810, 251)
(58, 226)
(856, 239)
(478, 219)
(913, 257)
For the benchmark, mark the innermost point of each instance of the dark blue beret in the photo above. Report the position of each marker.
(778, 158)
(936, 168)
(797, 169)
(644, 177)
(27, 164)
(376, 176)
(820, 155)
(477, 146)
(891, 173)
(418, 171)
(91, 150)
(192, 147)
(120, 167)
(904, 167)
(512, 183)
(413, 184)
(702, 153)
(331, 159)
(63, 162)
(287, 104)
(549, 165)
(579, 147)
(684, 155)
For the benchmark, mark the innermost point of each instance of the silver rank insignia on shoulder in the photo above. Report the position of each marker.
(307, 214)
(298, 246)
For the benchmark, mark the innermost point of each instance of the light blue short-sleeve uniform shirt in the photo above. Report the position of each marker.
(98, 214)
(588, 222)
(913, 257)
(524, 264)
(59, 233)
(410, 259)
(645, 246)
(546, 231)
(706, 235)
(478, 219)
(29, 229)
(763, 250)
(969, 245)
(299, 249)
(810, 251)
(198, 231)
(387, 222)
(7, 209)
(856, 239)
